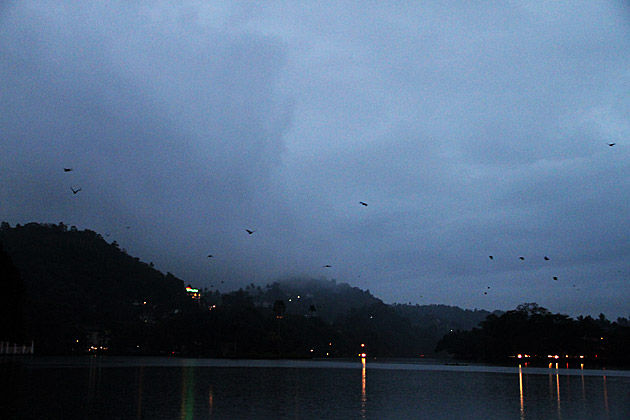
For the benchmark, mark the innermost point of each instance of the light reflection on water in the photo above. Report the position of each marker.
(555, 393)
(94, 378)
(605, 397)
(163, 389)
(188, 393)
(520, 387)
(363, 387)
(210, 401)
(140, 385)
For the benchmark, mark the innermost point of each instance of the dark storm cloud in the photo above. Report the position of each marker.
(469, 130)
(168, 126)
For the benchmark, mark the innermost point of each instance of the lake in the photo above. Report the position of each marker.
(99, 387)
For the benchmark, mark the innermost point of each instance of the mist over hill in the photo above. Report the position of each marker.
(73, 292)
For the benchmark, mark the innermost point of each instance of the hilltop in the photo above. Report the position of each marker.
(74, 290)
(72, 281)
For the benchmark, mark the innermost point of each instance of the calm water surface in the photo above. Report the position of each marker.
(163, 388)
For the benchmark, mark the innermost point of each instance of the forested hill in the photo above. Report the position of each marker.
(63, 285)
(332, 299)
(329, 298)
(75, 279)
(444, 317)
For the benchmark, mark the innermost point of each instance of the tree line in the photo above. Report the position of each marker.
(73, 292)
(534, 334)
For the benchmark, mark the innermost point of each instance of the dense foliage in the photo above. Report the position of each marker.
(75, 283)
(73, 292)
(536, 332)
(12, 305)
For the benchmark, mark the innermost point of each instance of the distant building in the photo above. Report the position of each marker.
(193, 293)
(97, 340)
(13, 349)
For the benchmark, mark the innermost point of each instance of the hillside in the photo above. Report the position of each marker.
(12, 305)
(75, 281)
(326, 299)
(443, 317)
(71, 289)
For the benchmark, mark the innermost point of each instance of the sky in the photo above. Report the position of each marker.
(469, 129)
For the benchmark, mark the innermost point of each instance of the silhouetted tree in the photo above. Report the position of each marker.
(533, 330)
(279, 308)
(12, 300)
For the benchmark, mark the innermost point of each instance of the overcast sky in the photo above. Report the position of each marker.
(469, 128)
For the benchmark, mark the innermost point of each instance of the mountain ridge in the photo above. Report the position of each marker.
(84, 284)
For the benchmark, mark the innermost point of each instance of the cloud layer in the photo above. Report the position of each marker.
(469, 130)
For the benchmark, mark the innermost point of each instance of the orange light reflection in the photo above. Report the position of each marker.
(363, 388)
(558, 391)
(520, 386)
(210, 401)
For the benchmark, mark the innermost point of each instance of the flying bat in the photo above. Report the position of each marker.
(75, 191)
(249, 231)
(67, 169)
(546, 258)
(210, 256)
(363, 203)
(327, 266)
(611, 144)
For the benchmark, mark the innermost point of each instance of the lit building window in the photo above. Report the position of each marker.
(193, 293)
